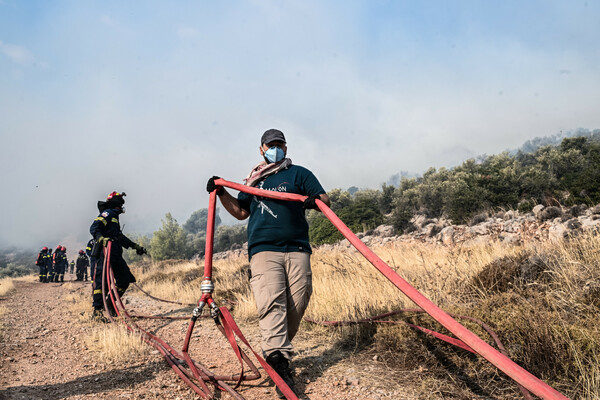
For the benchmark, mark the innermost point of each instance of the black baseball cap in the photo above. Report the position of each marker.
(272, 135)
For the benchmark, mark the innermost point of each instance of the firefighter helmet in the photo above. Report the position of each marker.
(81, 251)
(44, 248)
(63, 248)
(116, 197)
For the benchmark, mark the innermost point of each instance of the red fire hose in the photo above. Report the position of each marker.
(502, 362)
(197, 375)
(193, 373)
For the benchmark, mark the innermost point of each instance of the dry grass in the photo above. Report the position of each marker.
(78, 302)
(176, 281)
(6, 286)
(114, 343)
(110, 342)
(3, 310)
(542, 300)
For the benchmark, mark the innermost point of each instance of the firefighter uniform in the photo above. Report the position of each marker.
(106, 227)
(42, 263)
(49, 265)
(81, 266)
(93, 260)
(64, 264)
(60, 264)
(55, 265)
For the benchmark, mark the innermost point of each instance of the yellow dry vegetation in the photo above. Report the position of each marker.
(542, 299)
(110, 342)
(6, 286)
(78, 301)
(114, 343)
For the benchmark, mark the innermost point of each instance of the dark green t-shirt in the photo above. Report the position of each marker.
(279, 225)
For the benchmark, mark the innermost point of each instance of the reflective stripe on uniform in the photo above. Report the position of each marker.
(116, 221)
(101, 219)
(97, 291)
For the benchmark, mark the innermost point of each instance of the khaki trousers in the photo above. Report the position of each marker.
(282, 286)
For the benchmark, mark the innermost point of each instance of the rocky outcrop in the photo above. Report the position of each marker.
(510, 227)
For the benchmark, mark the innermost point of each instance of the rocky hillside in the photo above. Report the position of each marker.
(510, 227)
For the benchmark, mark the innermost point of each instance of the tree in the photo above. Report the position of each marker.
(351, 190)
(386, 199)
(196, 223)
(227, 236)
(362, 214)
(170, 241)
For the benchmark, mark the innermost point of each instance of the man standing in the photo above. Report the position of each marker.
(278, 246)
(63, 265)
(106, 228)
(56, 261)
(81, 267)
(49, 266)
(42, 263)
(93, 259)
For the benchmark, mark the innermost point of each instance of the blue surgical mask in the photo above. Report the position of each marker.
(274, 154)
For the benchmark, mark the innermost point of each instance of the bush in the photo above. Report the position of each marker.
(228, 236)
(525, 206)
(170, 241)
(360, 215)
(16, 262)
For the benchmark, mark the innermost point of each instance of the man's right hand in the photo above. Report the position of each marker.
(211, 186)
(103, 241)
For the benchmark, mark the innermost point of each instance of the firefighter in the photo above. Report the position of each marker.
(49, 257)
(106, 228)
(56, 260)
(93, 260)
(63, 265)
(42, 263)
(71, 267)
(82, 264)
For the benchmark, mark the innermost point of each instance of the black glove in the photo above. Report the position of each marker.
(210, 186)
(310, 202)
(139, 249)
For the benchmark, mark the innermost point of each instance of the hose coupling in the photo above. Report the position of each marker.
(214, 311)
(198, 310)
(207, 286)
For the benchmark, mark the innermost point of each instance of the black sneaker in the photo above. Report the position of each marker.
(281, 365)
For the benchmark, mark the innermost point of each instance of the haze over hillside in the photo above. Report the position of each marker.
(153, 99)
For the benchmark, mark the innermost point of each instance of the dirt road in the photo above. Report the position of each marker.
(44, 355)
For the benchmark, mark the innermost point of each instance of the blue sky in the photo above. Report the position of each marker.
(152, 98)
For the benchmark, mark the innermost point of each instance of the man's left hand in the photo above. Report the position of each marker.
(310, 202)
